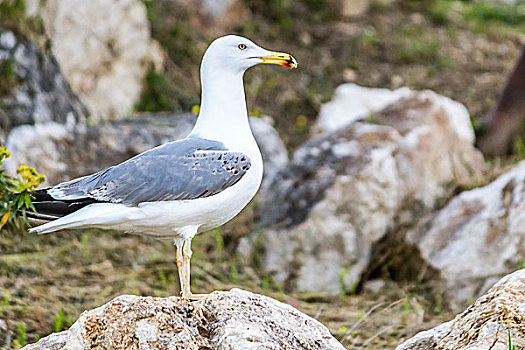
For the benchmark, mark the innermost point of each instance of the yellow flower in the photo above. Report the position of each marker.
(195, 109)
(4, 153)
(30, 178)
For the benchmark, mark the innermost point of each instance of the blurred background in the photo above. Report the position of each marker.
(367, 219)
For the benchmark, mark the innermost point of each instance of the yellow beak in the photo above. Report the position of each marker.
(280, 58)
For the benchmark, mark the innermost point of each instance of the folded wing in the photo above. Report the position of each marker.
(182, 170)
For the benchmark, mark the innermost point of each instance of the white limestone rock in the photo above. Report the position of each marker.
(484, 325)
(272, 148)
(103, 47)
(36, 146)
(477, 238)
(215, 8)
(344, 191)
(221, 321)
(353, 102)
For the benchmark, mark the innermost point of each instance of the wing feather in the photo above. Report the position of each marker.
(186, 169)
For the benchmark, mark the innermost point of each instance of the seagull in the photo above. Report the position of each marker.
(179, 189)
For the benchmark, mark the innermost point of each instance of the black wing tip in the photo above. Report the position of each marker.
(42, 195)
(55, 209)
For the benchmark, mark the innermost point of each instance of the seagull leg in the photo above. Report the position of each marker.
(179, 261)
(186, 257)
(186, 254)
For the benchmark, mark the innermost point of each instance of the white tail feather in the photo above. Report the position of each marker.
(90, 216)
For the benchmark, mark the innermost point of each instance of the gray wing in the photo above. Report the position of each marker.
(186, 169)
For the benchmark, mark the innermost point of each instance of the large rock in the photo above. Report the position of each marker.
(274, 153)
(32, 88)
(65, 151)
(215, 8)
(487, 324)
(223, 320)
(353, 102)
(103, 47)
(344, 191)
(477, 238)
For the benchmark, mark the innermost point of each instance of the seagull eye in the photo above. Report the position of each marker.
(242, 47)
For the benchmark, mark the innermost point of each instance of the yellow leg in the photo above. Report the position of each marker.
(183, 258)
(186, 256)
(179, 261)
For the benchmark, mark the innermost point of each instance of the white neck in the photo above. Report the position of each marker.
(223, 116)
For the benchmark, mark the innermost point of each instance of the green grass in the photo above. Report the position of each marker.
(345, 287)
(219, 241)
(484, 14)
(171, 26)
(480, 16)
(176, 88)
(439, 11)
(12, 17)
(155, 93)
(519, 147)
(21, 332)
(513, 14)
(51, 270)
(9, 78)
(412, 47)
(280, 10)
(12, 12)
(370, 41)
(325, 10)
(59, 321)
(5, 300)
(62, 321)
(511, 346)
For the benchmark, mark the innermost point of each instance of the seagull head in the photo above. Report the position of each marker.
(237, 54)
